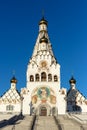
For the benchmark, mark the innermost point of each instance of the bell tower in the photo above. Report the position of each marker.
(43, 60)
(42, 90)
(43, 25)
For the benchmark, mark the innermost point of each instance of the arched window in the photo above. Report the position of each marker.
(55, 78)
(49, 77)
(9, 107)
(37, 77)
(31, 78)
(43, 76)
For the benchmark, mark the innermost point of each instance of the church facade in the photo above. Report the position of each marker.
(43, 94)
(43, 79)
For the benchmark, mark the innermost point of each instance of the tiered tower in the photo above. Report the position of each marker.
(43, 76)
(43, 66)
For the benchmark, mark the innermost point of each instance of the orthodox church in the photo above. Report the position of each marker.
(43, 94)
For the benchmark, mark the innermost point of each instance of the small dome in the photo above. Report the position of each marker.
(13, 80)
(44, 39)
(43, 21)
(72, 80)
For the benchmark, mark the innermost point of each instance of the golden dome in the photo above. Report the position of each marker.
(13, 80)
(44, 39)
(43, 21)
(72, 80)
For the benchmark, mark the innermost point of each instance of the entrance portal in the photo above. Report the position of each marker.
(43, 111)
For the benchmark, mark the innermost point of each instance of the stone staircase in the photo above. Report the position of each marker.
(21, 124)
(45, 123)
(61, 122)
(67, 123)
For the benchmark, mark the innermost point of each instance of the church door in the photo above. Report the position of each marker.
(43, 111)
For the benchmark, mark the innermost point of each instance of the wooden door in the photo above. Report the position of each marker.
(43, 111)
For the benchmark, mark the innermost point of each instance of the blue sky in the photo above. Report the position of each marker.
(67, 28)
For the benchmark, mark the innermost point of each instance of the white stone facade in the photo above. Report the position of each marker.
(43, 94)
(10, 102)
(43, 79)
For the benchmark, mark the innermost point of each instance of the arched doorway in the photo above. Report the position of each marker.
(43, 111)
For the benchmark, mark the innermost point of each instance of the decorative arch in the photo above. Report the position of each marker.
(43, 76)
(41, 99)
(31, 78)
(44, 109)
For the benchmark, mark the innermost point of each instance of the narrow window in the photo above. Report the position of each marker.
(49, 77)
(55, 78)
(9, 107)
(37, 77)
(31, 78)
(43, 76)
